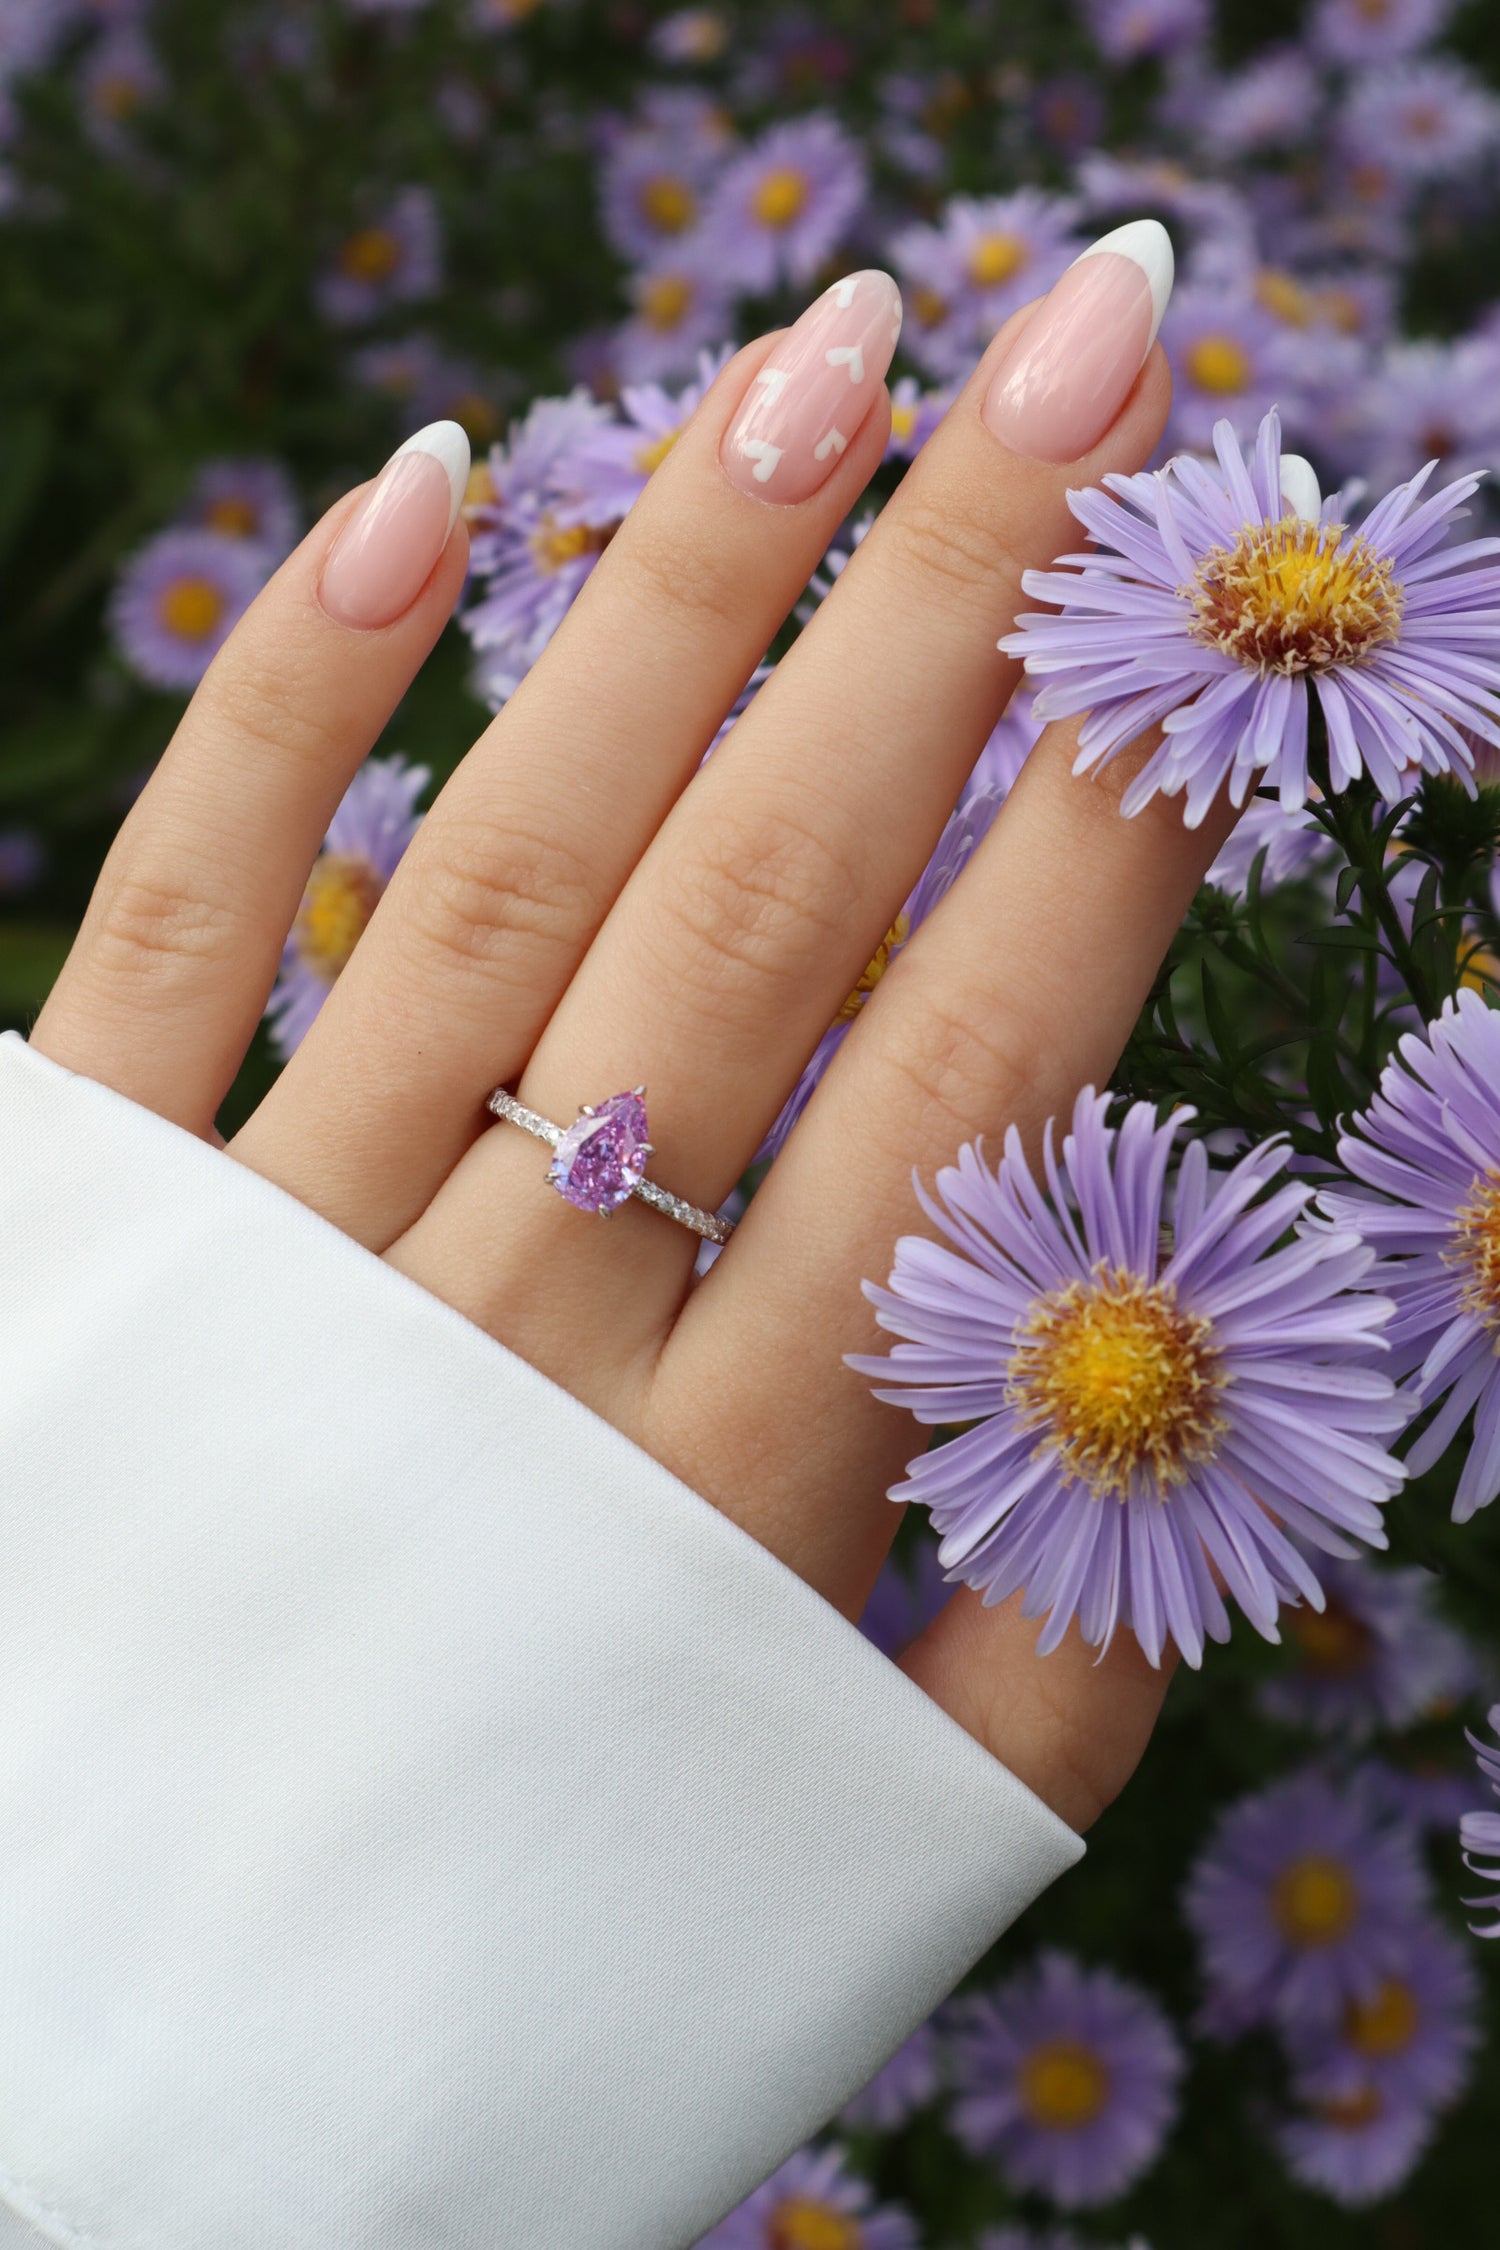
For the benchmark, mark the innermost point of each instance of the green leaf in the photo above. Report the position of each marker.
(1348, 884)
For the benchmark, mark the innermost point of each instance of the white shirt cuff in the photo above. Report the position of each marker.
(423, 1820)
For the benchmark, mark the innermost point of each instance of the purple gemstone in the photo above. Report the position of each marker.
(598, 1160)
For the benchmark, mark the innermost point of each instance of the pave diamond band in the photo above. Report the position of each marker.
(598, 1163)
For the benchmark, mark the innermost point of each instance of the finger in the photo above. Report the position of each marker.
(1021, 988)
(1072, 1725)
(767, 892)
(526, 848)
(179, 947)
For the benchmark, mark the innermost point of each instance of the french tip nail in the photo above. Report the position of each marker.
(448, 444)
(1147, 243)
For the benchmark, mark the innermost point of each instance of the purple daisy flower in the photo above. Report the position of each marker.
(253, 499)
(394, 259)
(1212, 604)
(178, 599)
(608, 469)
(915, 414)
(1013, 737)
(814, 2202)
(909, 2082)
(1428, 1148)
(532, 546)
(1293, 843)
(957, 845)
(1228, 361)
(1412, 2040)
(1377, 1655)
(1375, 31)
(988, 256)
(784, 206)
(1302, 1901)
(1272, 103)
(1067, 2075)
(658, 170)
(23, 861)
(1431, 120)
(1356, 2150)
(1430, 1798)
(119, 77)
(691, 35)
(1144, 1412)
(1479, 1833)
(366, 838)
(680, 309)
(1430, 402)
(1127, 30)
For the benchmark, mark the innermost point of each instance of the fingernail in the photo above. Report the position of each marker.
(384, 555)
(1071, 369)
(809, 401)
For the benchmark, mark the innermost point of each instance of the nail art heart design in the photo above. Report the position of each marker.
(804, 412)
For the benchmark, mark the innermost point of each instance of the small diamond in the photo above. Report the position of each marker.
(599, 1160)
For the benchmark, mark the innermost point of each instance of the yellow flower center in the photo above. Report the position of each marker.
(342, 892)
(476, 415)
(929, 308)
(1333, 1642)
(555, 545)
(236, 518)
(1373, 11)
(1342, 308)
(995, 258)
(1296, 597)
(1386, 2024)
(1314, 1901)
(891, 944)
(800, 2225)
(1424, 121)
(1351, 2111)
(1121, 1380)
(1063, 2085)
(1284, 298)
(1368, 182)
(1219, 365)
(116, 97)
(372, 254)
(665, 301)
(903, 419)
(191, 608)
(668, 203)
(781, 197)
(650, 457)
(1475, 1249)
(480, 491)
(1481, 970)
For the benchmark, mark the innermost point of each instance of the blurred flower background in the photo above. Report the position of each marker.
(246, 246)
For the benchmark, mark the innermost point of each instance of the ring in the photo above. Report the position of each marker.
(599, 1162)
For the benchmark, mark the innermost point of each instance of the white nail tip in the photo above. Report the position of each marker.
(1148, 244)
(1300, 488)
(448, 443)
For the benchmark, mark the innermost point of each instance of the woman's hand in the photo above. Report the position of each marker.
(582, 910)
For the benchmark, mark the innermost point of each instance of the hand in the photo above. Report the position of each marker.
(583, 910)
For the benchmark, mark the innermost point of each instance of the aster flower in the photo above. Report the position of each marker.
(658, 170)
(1127, 30)
(249, 499)
(394, 259)
(1427, 1153)
(909, 2082)
(959, 841)
(1271, 103)
(1228, 358)
(814, 2202)
(987, 256)
(680, 307)
(915, 414)
(784, 206)
(691, 35)
(1429, 402)
(1431, 120)
(118, 77)
(1293, 843)
(1143, 1414)
(1013, 737)
(1067, 2075)
(1377, 1655)
(366, 838)
(905, 1599)
(1411, 2041)
(1375, 31)
(1479, 1833)
(178, 599)
(532, 546)
(1302, 1901)
(23, 861)
(1357, 2150)
(1216, 605)
(609, 467)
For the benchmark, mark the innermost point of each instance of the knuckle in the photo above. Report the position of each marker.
(272, 714)
(760, 901)
(687, 576)
(478, 892)
(952, 542)
(151, 926)
(965, 1058)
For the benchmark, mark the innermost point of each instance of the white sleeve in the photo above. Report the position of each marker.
(425, 1824)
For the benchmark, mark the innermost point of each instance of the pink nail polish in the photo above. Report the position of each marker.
(1072, 367)
(384, 555)
(810, 399)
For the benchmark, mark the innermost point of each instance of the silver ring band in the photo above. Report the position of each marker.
(704, 1223)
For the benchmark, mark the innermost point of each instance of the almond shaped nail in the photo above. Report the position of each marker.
(811, 399)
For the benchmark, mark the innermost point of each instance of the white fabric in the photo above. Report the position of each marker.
(424, 1823)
